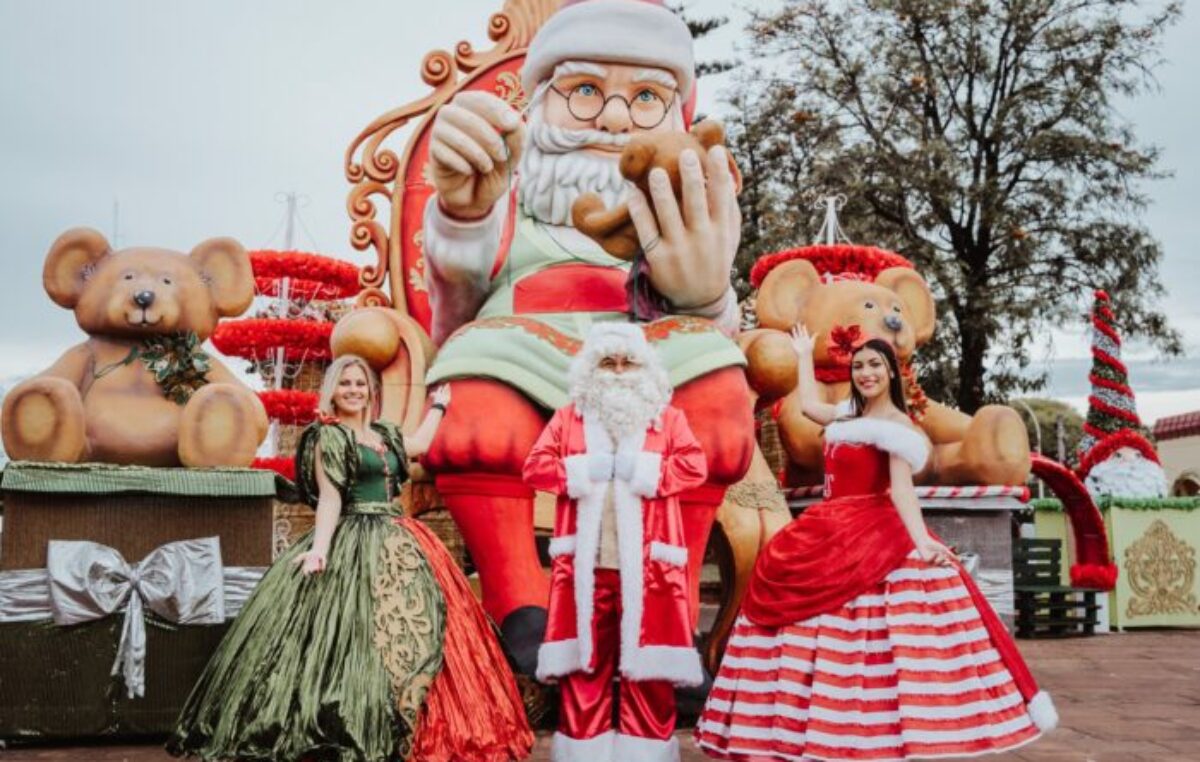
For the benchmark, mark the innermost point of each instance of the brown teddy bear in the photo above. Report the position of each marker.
(612, 228)
(140, 390)
(888, 299)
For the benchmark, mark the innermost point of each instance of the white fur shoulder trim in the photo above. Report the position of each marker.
(889, 436)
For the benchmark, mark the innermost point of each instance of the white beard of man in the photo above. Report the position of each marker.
(624, 403)
(555, 170)
(1139, 477)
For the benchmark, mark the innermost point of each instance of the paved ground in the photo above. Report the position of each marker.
(1122, 698)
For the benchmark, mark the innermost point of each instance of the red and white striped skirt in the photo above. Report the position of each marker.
(904, 671)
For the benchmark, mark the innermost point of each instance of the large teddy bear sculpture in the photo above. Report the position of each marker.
(883, 296)
(140, 390)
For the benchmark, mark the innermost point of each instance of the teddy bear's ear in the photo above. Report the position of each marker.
(709, 132)
(637, 159)
(225, 267)
(70, 262)
(914, 292)
(784, 292)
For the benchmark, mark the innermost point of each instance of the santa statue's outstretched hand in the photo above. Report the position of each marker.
(690, 246)
(474, 148)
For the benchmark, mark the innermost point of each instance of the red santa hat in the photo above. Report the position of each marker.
(1112, 419)
(634, 32)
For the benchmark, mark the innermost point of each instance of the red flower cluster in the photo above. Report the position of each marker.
(257, 338)
(838, 259)
(312, 275)
(290, 406)
(285, 467)
(844, 341)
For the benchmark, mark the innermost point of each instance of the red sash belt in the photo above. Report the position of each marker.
(571, 288)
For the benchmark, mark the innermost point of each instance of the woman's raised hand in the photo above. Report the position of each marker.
(802, 342)
(441, 395)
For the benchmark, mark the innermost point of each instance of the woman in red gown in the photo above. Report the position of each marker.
(861, 636)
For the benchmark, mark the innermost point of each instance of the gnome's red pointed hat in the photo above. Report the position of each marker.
(1112, 419)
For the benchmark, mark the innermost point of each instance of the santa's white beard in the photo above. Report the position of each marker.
(624, 403)
(555, 170)
(1139, 477)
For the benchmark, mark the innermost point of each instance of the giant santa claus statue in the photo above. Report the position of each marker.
(514, 287)
(617, 457)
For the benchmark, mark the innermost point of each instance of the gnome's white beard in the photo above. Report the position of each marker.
(625, 403)
(555, 170)
(1138, 477)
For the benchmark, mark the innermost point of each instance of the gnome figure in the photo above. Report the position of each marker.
(1115, 457)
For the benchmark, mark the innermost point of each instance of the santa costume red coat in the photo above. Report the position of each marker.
(666, 460)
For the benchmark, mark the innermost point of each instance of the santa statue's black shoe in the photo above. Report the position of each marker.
(523, 631)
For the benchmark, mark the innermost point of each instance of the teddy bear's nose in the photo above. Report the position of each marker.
(893, 322)
(143, 299)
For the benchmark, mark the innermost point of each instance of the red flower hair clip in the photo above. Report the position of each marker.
(325, 418)
(844, 341)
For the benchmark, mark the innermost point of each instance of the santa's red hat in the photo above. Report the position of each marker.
(1112, 419)
(634, 32)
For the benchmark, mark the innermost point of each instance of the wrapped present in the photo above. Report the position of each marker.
(116, 584)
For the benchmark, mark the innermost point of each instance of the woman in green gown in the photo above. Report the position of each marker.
(363, 641)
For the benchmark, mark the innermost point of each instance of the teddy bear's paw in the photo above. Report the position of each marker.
(44, 421)
(995, 448)
(219, 427)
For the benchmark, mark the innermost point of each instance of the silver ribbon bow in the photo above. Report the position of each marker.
(182, 582)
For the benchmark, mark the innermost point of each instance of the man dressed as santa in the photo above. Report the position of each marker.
(514, 287)
(617, 456)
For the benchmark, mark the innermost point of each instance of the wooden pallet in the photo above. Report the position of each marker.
(1046, 608)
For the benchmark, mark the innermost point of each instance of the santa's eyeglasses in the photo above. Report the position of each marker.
(586, 102)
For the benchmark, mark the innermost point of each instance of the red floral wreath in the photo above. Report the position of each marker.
(290, 406)
(311, 276)
(256, 338)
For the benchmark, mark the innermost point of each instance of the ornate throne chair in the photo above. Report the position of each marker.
(391, 321)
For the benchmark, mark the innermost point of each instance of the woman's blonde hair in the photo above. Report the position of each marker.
(333, 374)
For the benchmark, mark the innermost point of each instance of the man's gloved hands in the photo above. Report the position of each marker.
(600, 466)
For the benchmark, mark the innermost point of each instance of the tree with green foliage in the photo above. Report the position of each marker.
(1049, 413)
(980, 140)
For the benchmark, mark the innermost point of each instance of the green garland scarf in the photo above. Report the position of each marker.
(179, 365)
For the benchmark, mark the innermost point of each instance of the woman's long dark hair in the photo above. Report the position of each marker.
(895, 384)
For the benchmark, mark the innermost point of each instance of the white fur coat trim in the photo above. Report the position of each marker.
(578, 481)
(557, 658)
(599, 748)
(562, 546)
(889, 436)
(647, 473)
(635, 749)
(676, 555)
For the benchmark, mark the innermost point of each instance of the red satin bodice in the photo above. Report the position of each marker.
(855, 469)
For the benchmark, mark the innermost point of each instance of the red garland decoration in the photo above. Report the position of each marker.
(1096, 576)
(838, 259)
(285, 467)
(312, 275)
(918, 403)
(290, 406)
(257, 338)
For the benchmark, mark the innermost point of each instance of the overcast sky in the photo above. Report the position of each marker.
(193, 117)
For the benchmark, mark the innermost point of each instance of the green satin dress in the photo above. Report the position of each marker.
(334, 666)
